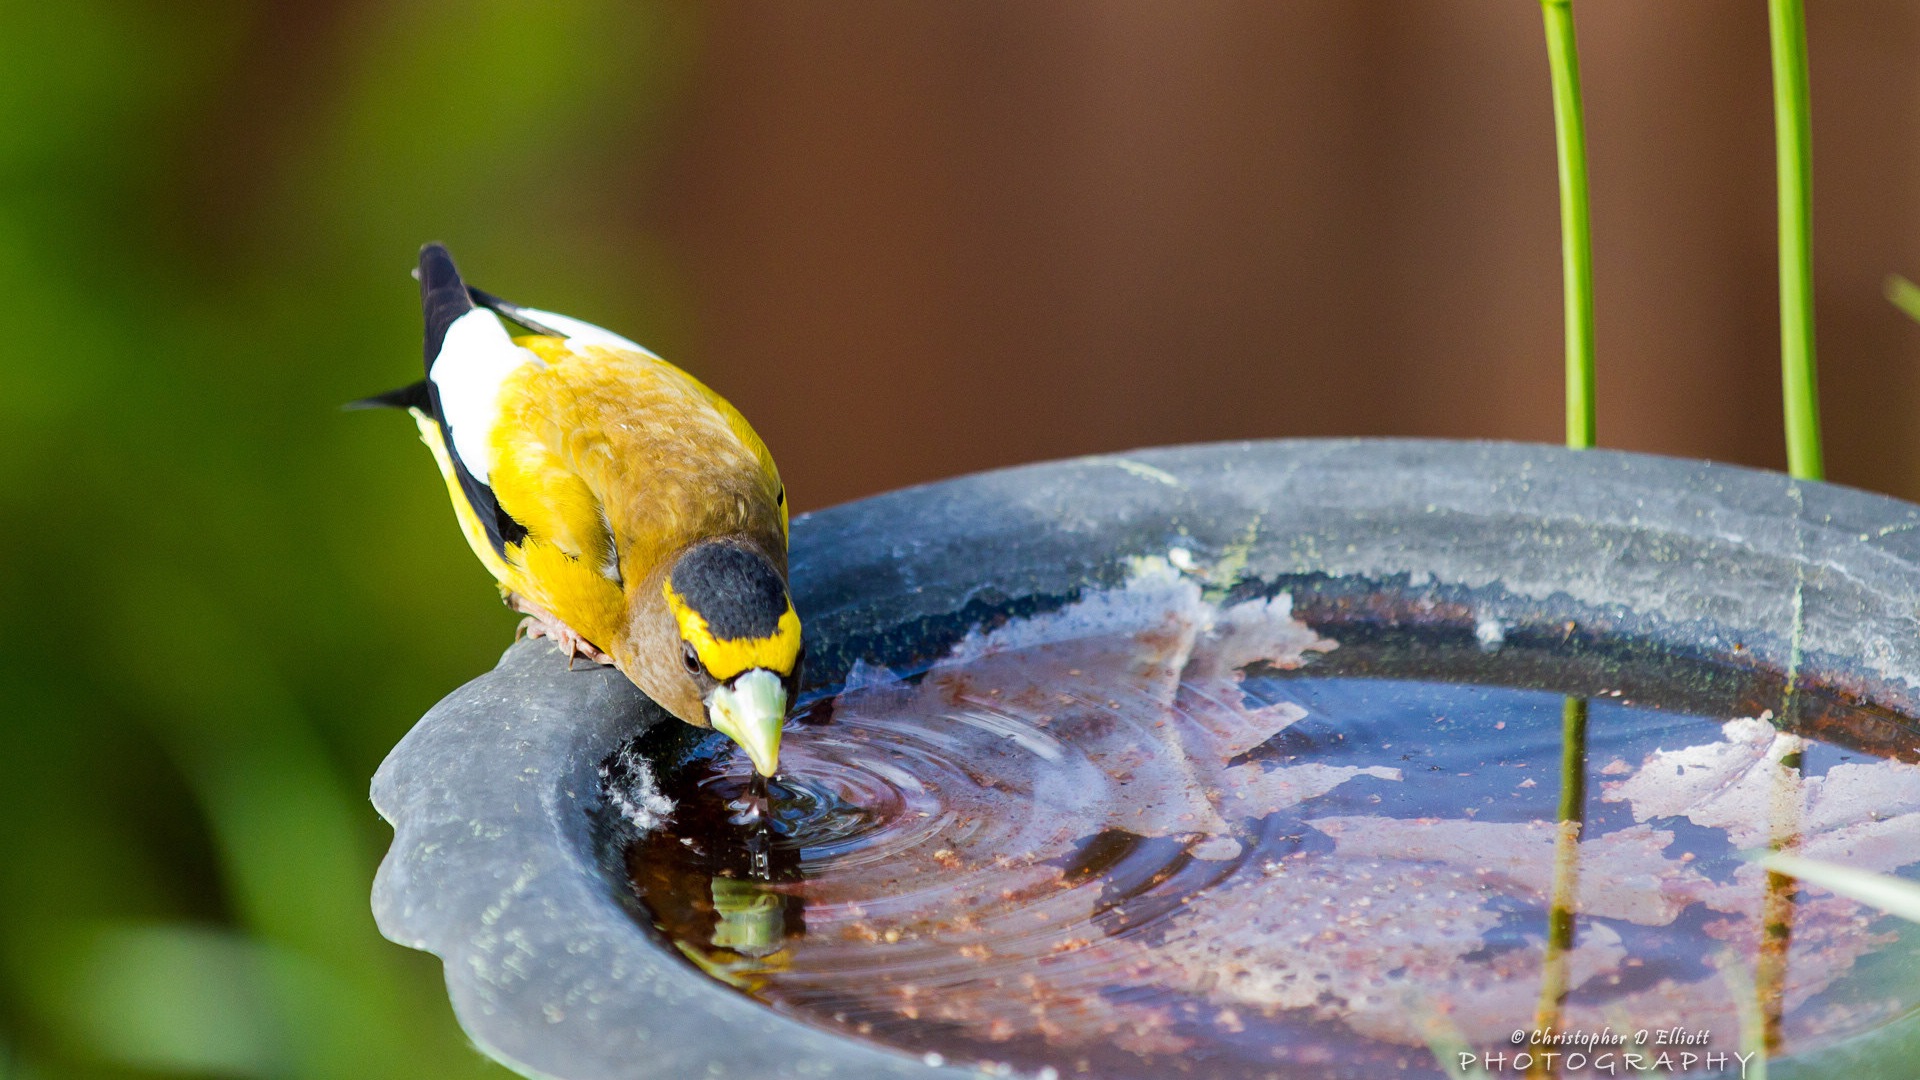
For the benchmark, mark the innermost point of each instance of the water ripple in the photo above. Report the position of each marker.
(1091, 838)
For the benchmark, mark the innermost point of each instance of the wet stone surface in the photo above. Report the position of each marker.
(1155, 833)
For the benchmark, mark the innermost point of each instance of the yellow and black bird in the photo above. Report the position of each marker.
(628, 511)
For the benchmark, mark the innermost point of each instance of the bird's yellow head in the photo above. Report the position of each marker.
(739, 640)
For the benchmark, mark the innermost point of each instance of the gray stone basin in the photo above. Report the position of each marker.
(500, 863)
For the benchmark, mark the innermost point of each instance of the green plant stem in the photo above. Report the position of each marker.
(1576, 242)
(1573, 759)
(1793, 148)
(1905, 296)
(1576, 276)
(1563, 905)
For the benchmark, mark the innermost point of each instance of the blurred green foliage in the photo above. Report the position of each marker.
(227, 598)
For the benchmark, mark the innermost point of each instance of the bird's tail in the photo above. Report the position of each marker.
(412, 396)
(443, 296)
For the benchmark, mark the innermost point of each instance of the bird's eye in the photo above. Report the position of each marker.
(690, 658)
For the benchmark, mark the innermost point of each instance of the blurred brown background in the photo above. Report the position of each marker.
(922, 239)
(917, 239)
(908, 239)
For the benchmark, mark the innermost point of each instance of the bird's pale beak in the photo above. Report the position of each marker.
(749, 710)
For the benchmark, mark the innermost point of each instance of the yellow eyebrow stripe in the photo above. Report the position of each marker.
(724, 658)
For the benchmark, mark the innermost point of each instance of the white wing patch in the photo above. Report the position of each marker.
(583, 333)
(474, 360)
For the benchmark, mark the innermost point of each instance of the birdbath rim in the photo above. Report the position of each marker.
(501, 863)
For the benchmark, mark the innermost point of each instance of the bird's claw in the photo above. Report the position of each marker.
(538, 623)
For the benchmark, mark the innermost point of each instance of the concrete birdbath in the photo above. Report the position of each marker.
(1239, 759)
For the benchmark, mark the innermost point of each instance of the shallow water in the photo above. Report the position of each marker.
(1151, 835)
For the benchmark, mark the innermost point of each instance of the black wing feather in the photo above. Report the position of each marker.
(513, 313)
(501, 527)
